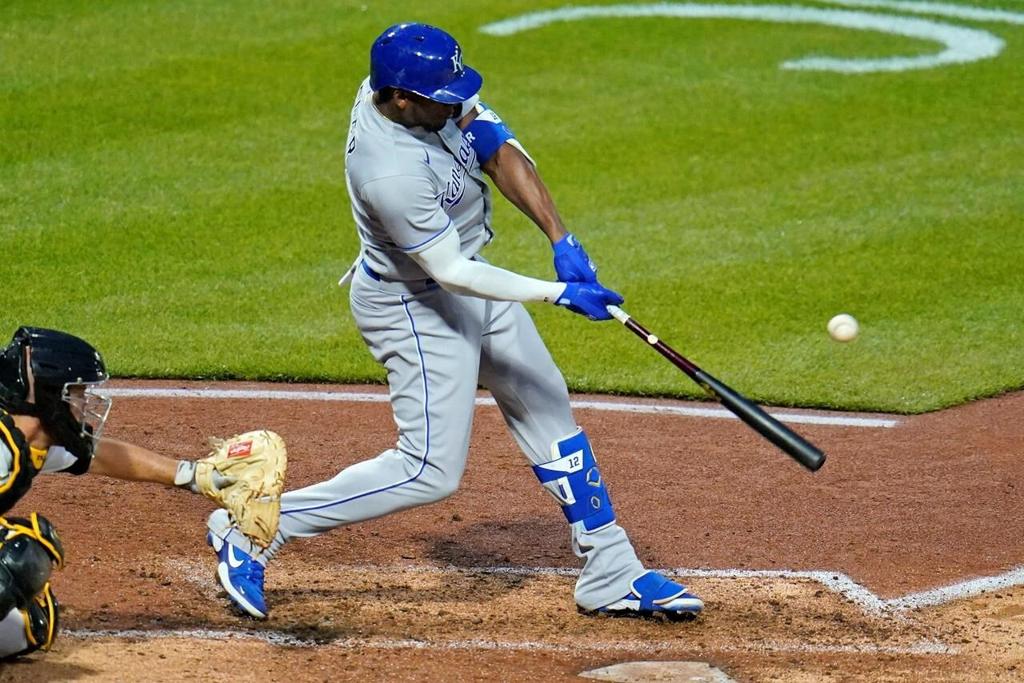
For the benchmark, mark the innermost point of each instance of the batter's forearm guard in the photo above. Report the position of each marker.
(575, 481)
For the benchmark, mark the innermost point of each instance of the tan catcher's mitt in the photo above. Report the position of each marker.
(254, 463)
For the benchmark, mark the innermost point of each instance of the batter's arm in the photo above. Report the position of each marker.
(517, 179)
(444, 262)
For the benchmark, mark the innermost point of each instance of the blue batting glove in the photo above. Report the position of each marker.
(571, 261)
(589, 299)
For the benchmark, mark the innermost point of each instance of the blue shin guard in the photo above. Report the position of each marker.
(576, 483)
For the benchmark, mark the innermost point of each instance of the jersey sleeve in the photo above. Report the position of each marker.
(468, 105)
(409, 210)
(59, 459)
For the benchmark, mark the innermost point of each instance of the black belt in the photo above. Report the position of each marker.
(380, 278)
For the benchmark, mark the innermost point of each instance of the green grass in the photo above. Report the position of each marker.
(172, 189)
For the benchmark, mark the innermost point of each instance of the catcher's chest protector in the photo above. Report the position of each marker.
(24, 463)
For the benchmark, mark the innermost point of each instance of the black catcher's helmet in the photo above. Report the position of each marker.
(52, 375)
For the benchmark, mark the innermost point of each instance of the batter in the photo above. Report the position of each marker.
(441, 319)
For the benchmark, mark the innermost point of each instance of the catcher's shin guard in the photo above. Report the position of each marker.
(28, 550)
(573, 478)
(41, 621)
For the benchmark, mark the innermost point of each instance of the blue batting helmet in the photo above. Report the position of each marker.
(422, 59)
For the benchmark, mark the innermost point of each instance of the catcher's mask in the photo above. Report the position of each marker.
(53, 376)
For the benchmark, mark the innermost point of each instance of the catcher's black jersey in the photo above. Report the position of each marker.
(25, 463)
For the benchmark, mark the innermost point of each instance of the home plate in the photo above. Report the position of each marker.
(662, 672)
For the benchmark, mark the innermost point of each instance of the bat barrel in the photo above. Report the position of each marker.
(797, 447)
(801, 450)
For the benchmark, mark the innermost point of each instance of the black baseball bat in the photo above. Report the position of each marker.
(799, 448)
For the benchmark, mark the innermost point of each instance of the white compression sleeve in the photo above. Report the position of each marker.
(444, 262)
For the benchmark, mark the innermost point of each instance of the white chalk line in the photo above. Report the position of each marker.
(837, 582)
(284, 639)
(611, 406)
(834, 581)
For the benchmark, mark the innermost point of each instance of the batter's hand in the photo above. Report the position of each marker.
(589, 299)
(572, 264)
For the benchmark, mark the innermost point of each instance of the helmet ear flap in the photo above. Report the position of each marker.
(15, 378)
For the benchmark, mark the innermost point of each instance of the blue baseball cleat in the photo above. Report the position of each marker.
(240, 575)
(652, 595)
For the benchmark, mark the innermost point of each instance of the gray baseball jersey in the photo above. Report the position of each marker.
(409, 188)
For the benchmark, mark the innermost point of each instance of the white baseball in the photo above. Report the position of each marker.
(843, 327)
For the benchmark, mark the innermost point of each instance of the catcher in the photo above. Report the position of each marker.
(51, 420)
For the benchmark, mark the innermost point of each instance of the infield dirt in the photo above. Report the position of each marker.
(479, 587)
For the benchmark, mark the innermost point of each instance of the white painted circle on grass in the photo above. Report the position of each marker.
(961, 45)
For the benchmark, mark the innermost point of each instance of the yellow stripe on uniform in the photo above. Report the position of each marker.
(16, 461)
(27, 618)
(38, 456)
(46, 543)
